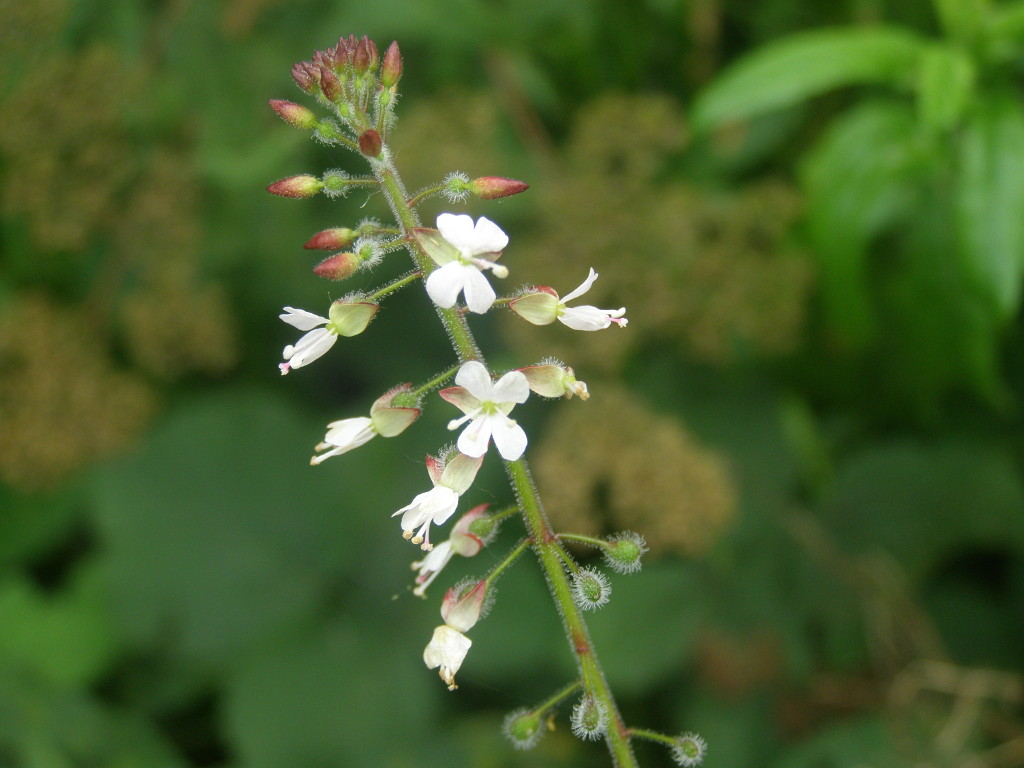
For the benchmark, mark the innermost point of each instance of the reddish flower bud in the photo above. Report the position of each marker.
(462, 610)
(337, 267)
(492, 187)
(294, 114)
(302, 185)
(370, 143)
(329, 84)
(331, 239)
(361, 56)
(391, 69)
(342, 54)
(306, 76)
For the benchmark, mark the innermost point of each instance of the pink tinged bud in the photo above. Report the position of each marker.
(551, 380)
(370, 143)
(361, 57)
(462, 612)
(464, 540)
(329, 84)
(539, 307)
(302, 185)
(389, 419)
(492, 187)
(350, 318)
(331, 239)
(294, 114)
(337, 267)
(391, 69)
(306, 76)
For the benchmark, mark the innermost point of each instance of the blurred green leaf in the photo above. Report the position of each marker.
(219, 534)
(990, 199)
(860, 179)
(962, 19)
(921, 502)
(67, 639)
(805, 65)
(863, 741)
(944, 86)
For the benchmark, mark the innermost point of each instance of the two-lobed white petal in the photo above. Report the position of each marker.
(581, 288)
(445, 284)
(471, 239)
(301, 319)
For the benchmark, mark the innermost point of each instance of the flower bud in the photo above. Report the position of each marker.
(294, 114)
(336, 183)
(306, 76)
(370, 143)
(689, 750)
(523, 728)
(492, 187)
(539, 307)
(329, 84)
(554, 380)
(590, 589)
(331, 239)
(302, 185)
(390, 419)
(337, 267)
(365, 55)
(465, 539)
(462, 608)
(625, 551)
(350, 318)
(589, 719)
(391, 69)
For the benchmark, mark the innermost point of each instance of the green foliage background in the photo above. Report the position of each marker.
(815, 214)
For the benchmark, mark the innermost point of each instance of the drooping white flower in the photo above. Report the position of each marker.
(543, 306)
(348, 317)
(451, 479)
(462, 541)
(447, 649)
(487, 405)
(461, 265)
(386, 419)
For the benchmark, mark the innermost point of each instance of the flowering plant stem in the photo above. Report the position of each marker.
(542, 538)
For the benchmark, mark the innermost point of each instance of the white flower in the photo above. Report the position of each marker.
(447, 649)
(542, 306)
(460, 270)
(343, 436)
(451, 480)
(587, 318)
(433, 506)
(311, 346)
(462, 541)
(348, 317)
(487, 406)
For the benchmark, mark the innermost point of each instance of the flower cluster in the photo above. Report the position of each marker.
(451, 262)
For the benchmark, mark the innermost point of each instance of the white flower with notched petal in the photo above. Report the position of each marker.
(460, 267)
(543, 306)
(347, 318)
(487, 405)
(451, 479)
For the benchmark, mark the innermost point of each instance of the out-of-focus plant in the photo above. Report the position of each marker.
(915, 191)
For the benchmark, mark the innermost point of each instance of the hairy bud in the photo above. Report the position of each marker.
(589, 719)
(625, 551)
(330, 84)
(689, 750)
(337, 267)
(590, 589)
(523, 728)
(302, 185)
(294, 114)
(331, 239)
(370, 143)
(391, 69)
(492, 187)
